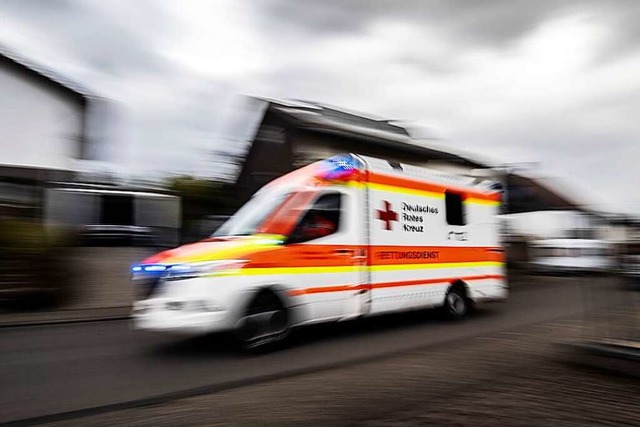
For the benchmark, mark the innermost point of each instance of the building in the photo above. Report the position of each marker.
(294, 133)
(43, 122)
(109, 215)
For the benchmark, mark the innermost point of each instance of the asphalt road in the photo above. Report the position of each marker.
(51, 369)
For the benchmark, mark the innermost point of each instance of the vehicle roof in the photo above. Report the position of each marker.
(426, 174)
(307, 175)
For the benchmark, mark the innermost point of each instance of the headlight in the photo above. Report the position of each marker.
(193, 305)
(148, 271)
(187, 270)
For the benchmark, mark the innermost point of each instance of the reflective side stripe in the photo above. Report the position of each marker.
(310, 255)
(420, 282)
(431, 194)
(298, 270)
(475, 201)
(353, 268)
(396, 267)
(405, 190)
(411, 184)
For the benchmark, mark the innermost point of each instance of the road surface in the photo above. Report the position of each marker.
(53, 369)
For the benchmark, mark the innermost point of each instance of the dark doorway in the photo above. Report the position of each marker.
(116, 210)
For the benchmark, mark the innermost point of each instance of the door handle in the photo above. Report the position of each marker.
(343, 251)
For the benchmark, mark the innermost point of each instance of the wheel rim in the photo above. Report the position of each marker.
(263, 327)
(457, 304)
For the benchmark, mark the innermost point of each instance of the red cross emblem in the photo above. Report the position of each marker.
(387, 215)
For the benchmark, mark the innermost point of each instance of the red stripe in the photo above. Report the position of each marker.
(396, 181)
(343, 288)
(434, 281)
(310, 255)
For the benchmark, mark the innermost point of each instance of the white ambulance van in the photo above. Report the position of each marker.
(342, 238)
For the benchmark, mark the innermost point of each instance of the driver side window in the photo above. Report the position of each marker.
(322, 219)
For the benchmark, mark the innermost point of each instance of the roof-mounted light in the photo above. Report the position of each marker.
(340, 167)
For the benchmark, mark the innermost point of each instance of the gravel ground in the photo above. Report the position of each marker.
(509, 378)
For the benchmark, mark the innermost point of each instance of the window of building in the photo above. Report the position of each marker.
(321, 220)
(454, 208)
(117, 210)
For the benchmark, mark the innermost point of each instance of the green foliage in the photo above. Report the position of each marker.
(30, 237)
(202, 198)
(21, 236)
(34, 264)
(201, 193)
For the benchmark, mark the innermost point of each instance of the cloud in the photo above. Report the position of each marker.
(115, 39)
(548, 81)
(479, 22)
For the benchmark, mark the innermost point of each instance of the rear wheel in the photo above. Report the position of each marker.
(265, 322)
(456, 303)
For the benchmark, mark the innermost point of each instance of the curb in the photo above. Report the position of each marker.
(613, 358)
(64, 317)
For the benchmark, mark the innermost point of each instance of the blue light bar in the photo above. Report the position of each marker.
(342, 166)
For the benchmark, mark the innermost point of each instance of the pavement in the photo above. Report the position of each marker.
(99, 288)
(512, 378)
(58, 372)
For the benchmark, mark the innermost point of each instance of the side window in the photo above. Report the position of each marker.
(322, 219)
(454, 208)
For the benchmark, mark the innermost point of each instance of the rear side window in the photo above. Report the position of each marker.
(454, 208)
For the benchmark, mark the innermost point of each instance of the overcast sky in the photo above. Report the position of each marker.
(553, 84)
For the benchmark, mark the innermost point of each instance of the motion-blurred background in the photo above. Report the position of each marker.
(142, 125)
(128, 127)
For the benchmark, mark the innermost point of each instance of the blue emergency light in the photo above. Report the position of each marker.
(341, 166)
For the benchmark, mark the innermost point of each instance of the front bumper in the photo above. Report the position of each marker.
(154, 315)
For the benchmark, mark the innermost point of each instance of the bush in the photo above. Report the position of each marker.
(202, 198)
(34, 264)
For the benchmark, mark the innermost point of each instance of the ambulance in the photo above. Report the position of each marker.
(339, 239)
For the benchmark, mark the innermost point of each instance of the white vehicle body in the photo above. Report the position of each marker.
(403, 237)
(571, 255)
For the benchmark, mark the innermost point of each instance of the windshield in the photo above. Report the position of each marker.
(250, 216)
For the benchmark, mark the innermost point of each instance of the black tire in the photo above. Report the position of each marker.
(456, 304)
(265, 323)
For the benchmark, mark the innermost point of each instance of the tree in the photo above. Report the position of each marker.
(201, 198)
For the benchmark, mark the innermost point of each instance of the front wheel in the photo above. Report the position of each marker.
(265, 323)
(456, 304)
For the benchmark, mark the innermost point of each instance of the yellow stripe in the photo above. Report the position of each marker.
(355, 268)
(400, 267)
(238, 249)
(405, 190)
(433, 195)
(485, 202)
(423, 193)
(354, 184)
(298, 270)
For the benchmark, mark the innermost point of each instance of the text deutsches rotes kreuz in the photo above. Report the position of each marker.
(413, 216)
